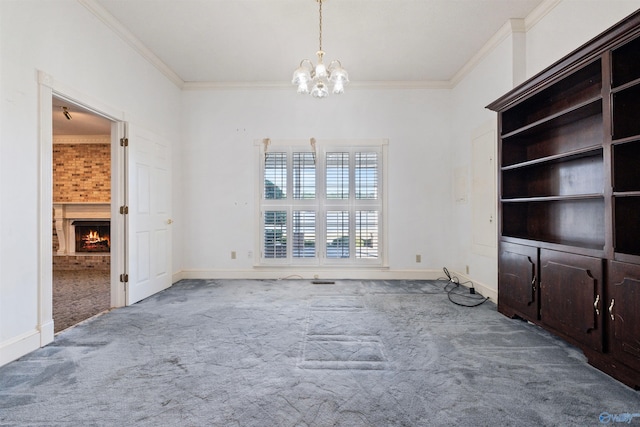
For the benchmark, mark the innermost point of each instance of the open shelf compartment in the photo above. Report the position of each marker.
(574, 89)
(581, 173)
(580, 129)
(626, 112)
(626, 166)
(627, 225)
(572, 222)
(624, 63)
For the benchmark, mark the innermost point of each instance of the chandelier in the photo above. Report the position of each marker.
(316, 79)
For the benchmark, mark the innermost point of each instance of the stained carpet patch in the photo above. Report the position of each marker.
(338, 335)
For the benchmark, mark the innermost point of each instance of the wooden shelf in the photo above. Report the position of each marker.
(575, 221)
(553, 198)
(569, 202)
(573, 132)
(626, 86)
(626, 193)
(624, 63)
(578, 88)
(627, 223)
(626, 167)
(563, 246)
(568, 156)
(578, 175)
(579, 111)
(626, 112)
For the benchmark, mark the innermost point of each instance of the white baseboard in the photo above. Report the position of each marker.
(47, 333)
(481, 288)
(177, 276)
(16, 347)
(267, 273)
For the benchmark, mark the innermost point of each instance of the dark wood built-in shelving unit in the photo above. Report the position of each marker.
(569, 185)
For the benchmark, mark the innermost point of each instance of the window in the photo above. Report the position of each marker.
(322, 204)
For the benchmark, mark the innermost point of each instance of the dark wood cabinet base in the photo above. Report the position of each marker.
(612, 367)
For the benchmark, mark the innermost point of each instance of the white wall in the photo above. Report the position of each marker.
(67, 42)
(568, 26)
(492, 77)
(561, 30)
(219, 181)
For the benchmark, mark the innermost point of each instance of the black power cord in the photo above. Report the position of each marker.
(473, 295)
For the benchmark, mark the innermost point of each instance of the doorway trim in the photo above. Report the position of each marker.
(47, 88)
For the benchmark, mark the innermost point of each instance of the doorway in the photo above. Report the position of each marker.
(140, 243)
(81, 195)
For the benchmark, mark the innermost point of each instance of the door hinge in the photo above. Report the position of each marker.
(124, 142)
(124, 278)
(124, 210)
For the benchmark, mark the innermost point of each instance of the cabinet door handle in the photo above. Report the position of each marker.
(595, 305)
(613, 301)
(533, 281)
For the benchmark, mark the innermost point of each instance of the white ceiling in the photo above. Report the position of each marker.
(263, 41)
(221, 42)
(82, 122)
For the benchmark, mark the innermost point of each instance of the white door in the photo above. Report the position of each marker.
(483, 192)
(148, 250)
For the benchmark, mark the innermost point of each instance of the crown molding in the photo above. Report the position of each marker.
(510, 27)
(110, 21)
(82, 139)
(397, 84)
(426, 84)
(540, 12)
(233, 85)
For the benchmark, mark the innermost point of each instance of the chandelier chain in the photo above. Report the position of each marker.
(320, 13)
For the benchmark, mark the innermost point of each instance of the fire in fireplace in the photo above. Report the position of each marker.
(92, 236)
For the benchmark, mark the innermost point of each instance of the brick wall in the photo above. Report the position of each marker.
(81, 173)
(80, 262)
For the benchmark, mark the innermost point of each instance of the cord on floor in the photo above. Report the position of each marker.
(454, 283)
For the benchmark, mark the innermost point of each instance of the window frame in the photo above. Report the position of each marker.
(320, 204)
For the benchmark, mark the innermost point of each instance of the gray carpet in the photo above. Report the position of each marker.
(290, 353)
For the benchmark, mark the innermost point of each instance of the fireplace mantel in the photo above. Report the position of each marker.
(65, 213)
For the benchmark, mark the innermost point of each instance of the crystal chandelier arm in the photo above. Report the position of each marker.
(306, 62)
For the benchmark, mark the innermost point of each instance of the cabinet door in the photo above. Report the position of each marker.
(571, 296)
(517, 293)
(623, 310)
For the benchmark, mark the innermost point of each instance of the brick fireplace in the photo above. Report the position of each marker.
(92, 236)
(82, 227)
(81, 201)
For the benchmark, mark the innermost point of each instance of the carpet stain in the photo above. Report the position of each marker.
(339, 335)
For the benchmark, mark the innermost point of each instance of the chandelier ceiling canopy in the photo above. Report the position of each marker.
(316, 79)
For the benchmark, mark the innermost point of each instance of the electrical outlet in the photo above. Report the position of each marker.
(316, 276)
(233, 254)
(418, 258)
(250, 254)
